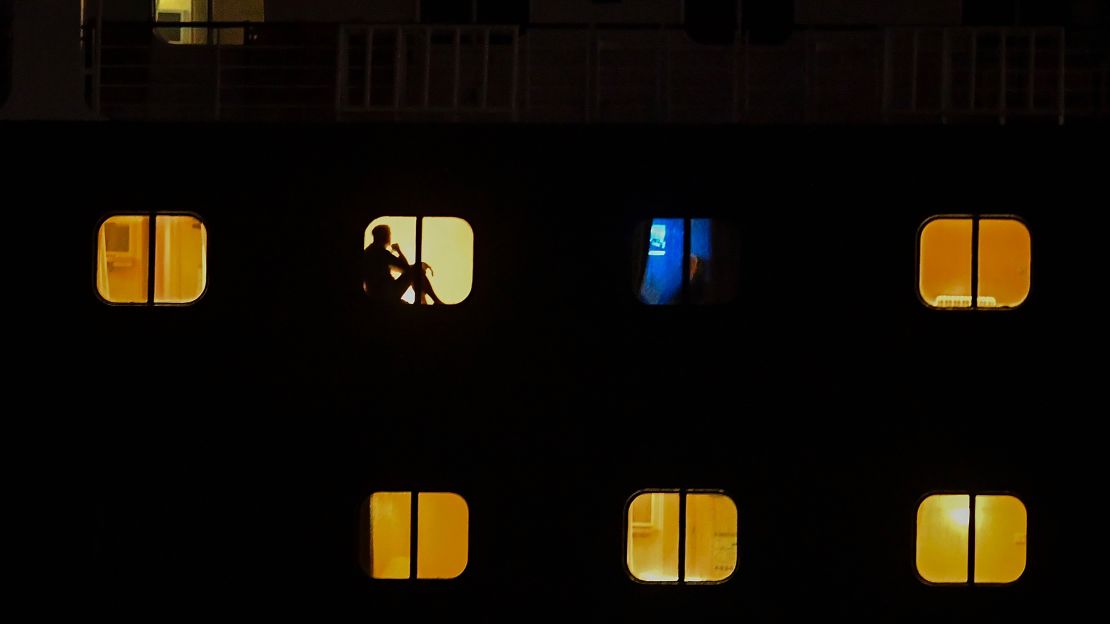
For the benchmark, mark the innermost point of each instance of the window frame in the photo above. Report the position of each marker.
(366, 536)
(976, 219)
(681, 557)
(418, 254)
(211, 27)
(152, 242)
(971, 534)
(684, 299)
(181, 26)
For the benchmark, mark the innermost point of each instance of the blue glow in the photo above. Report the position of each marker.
(663, 273)
(700, 245)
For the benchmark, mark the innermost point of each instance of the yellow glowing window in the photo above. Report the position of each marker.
(947, 555)
(655, 520)
(180, 13)
(180, 250)
(426, 259)
(440, 538)
(974, 262)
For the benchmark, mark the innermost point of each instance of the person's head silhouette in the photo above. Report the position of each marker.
(381, 235)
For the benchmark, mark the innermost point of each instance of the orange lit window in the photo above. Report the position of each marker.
(441, 535)
(946, 555)
(974, 262)
(183, 12)
(393, 248)
(682, 260)
(656, 519)
(180, 249)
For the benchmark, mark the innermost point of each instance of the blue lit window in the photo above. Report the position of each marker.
(687, 261)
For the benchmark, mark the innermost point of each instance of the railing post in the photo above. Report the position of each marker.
(368, 73)
(735, 79)
(457, 69)
(398, 71)
(946, 75)
(913, 71)
(97, 60)
(1063, 83)
(485, 69)
(528, 78)
(747, 76)
(340, 69)
(1032, 102)
(888, 72)
(1003, 65)
(809, 76)
(663, 78)
(591, 75)
(219, 76)
(516, 68)
(427, 100)
(974, 66)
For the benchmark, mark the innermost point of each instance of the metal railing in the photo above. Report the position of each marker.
(996, 72)
(571, 73)
(451, 70)
(241, 71)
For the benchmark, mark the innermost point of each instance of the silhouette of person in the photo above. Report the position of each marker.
(377, 280)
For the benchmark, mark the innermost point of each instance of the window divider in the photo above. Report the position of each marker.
(682, 534)
(971, 535)
(975, 261)
(414, 532)
(418, 272)
(152, 247)
(686, 229)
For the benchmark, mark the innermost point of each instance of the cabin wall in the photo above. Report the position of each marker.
(386, 11)
(588, 11)
(826, 400)
(45, 78)
(903, 12)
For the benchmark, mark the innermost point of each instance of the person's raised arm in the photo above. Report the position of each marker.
(400, 261)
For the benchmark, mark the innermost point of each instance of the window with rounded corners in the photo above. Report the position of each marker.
(126, 242)
(707, 523)
(227, 14)
(974, 262)
(391, 255)
(440, 535)
(683, 260)
(949, 552)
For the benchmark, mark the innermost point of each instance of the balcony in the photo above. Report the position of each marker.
(244, 71)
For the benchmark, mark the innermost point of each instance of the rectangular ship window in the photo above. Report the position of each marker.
(123, 271)
(708, 541)
(974, 262)
(945, 538)
(686, 261)
(442, 530)
(390, 260)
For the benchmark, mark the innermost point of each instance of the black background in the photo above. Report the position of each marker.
(210, 460)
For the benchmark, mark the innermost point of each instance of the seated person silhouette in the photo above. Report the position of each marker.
(377, 280)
